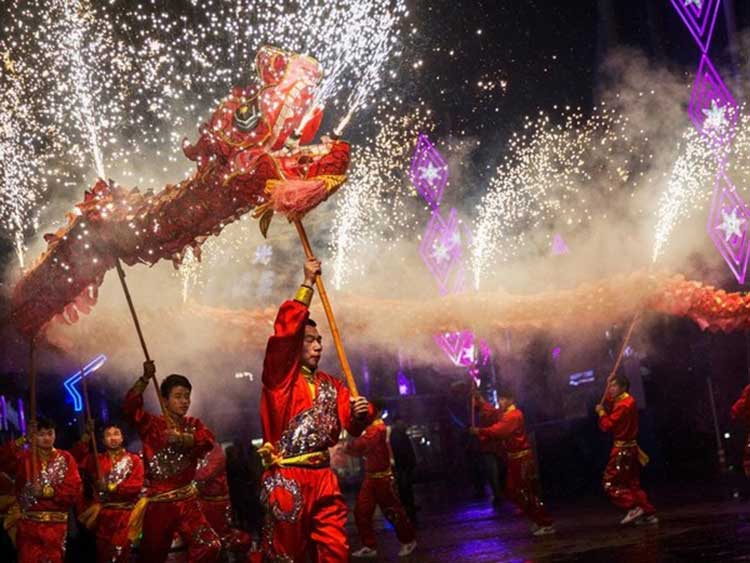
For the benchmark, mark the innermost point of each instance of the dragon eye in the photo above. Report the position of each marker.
(246, 117)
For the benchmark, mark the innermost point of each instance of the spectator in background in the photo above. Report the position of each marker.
(405, 461)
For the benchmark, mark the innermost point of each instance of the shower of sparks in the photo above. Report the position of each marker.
(377, 204)
(555, 175)
(73, 48)
(21, 184)
(693, 170)
(189, 273)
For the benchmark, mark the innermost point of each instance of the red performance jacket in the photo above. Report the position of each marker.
(58, 471)
(509, 429)
(292, 421)
(123, 472)
(373, 445)
(211, 476)
(741, 408)
(622, 420)
(168, 467)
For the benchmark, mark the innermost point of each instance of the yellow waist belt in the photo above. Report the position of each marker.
(518, 455)
(312, 459)
(135, 523)
(378, 474)
(643, 458)
(45, 516)
(89, 516)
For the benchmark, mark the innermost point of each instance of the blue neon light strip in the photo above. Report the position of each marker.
(70, 383)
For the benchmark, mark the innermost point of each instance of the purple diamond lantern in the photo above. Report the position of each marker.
(441, 247)
(728, 224)
(700, 18)
(429, 172)
(459, 346)
(712, 107)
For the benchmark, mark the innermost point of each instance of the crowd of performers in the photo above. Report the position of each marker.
(139, 504)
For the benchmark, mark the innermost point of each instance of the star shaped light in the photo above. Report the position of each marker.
(440, 252)
(696, 2)
(715, 117)
(263, 254)
(430, 173)
(731, 224)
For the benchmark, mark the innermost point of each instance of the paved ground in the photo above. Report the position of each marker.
(452, 529)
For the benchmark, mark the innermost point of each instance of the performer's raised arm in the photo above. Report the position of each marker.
(133, 406)
(282, 358)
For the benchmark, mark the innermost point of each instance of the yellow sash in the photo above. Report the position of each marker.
(135, 522)
(11, 520)
(643, 458)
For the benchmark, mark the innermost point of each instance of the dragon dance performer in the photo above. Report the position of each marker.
(741, 413)
(44, 501)
(117, 492)
(303, 411)
(171, 451)
(378, 489)
(213, 494)
(622, 476)
(507, 426)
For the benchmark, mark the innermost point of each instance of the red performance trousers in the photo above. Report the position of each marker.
(622, 480)
(184, 517)
(380, 491)
(522, 487)
(218, 512)
(305, 515)
(41, 541)
(112, 543)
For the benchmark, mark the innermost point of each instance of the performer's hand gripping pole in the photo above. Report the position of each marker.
(329, 314)
(126, 291)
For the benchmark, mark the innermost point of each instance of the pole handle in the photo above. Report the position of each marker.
(134, 315)
(340, 352)
(620, 355)
(90, 419)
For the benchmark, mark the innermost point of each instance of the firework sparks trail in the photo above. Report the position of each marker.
(73, 48)
(19, 179)
(555, 174)
(189, 272)
(693, 170)
(382, 45)
(374, 208)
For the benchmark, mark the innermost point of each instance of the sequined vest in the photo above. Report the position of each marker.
(315, 429)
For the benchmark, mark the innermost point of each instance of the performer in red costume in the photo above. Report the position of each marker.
(171, 450)
(741, 413)
(45, 500)
(507, 429)
(622, 476)
(213, 493)
(116, 492)
(378, 489)
(302, 412)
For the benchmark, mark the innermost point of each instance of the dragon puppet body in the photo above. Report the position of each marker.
(254, 153)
